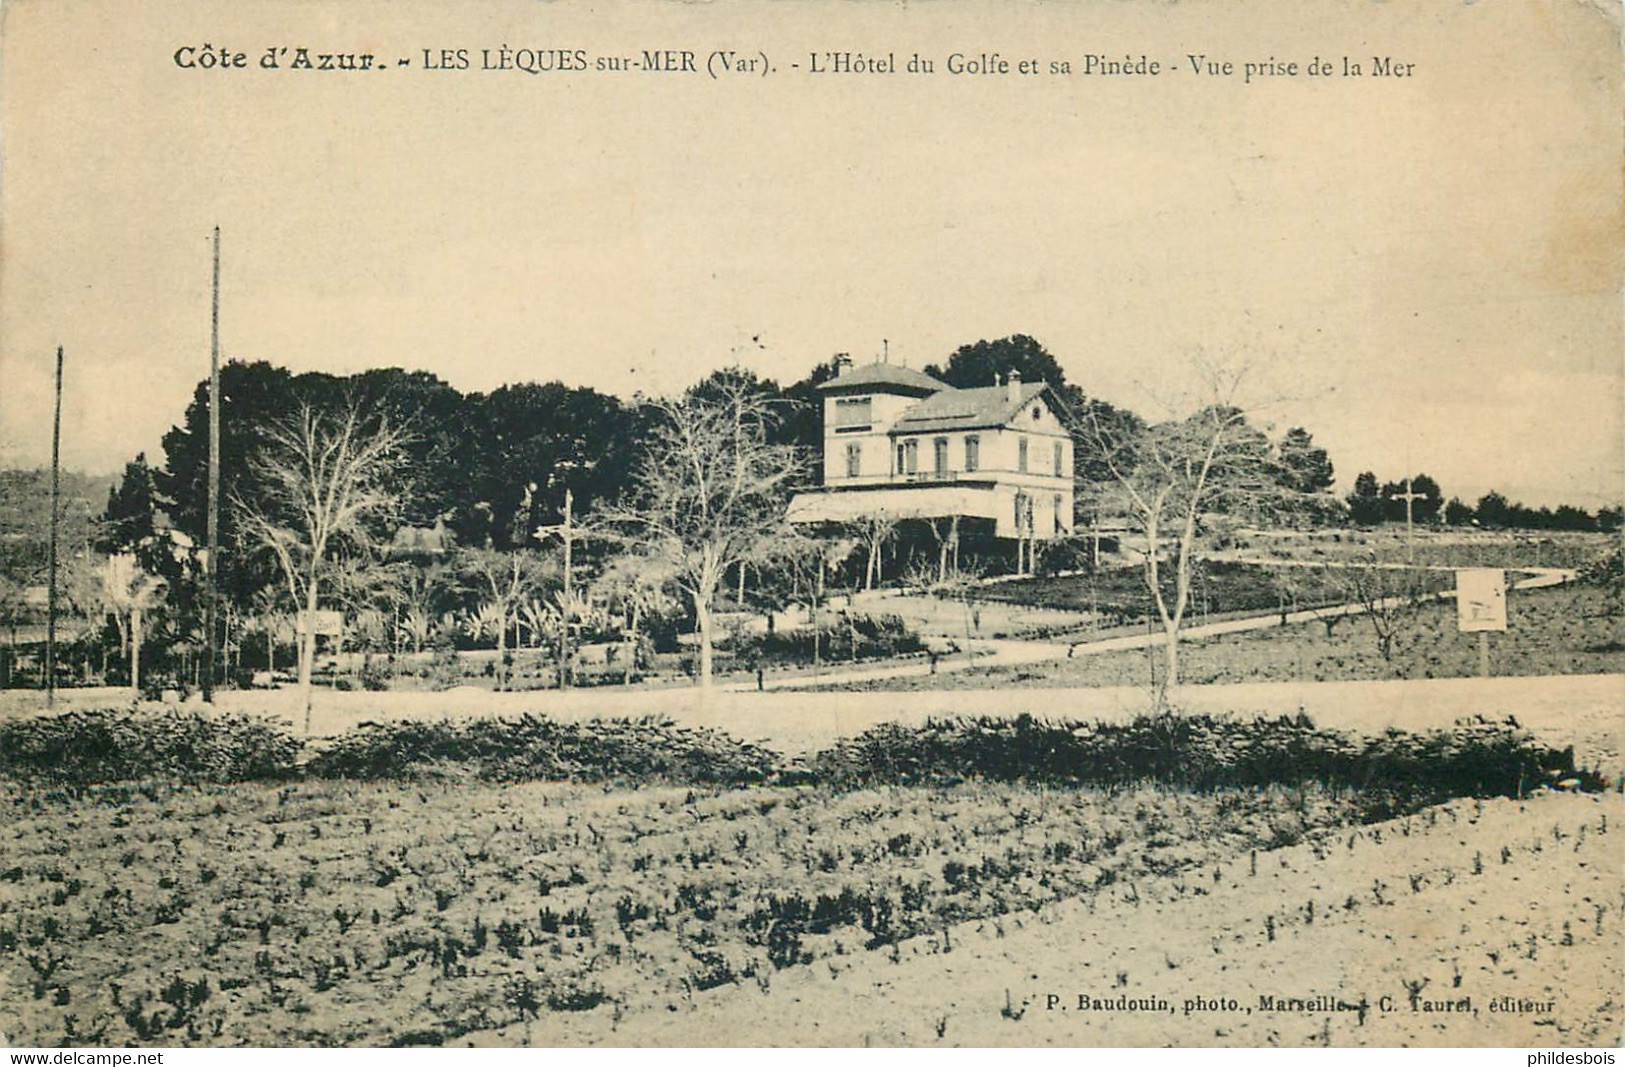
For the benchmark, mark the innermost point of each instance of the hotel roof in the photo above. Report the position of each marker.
(967, 409)
(886, 377)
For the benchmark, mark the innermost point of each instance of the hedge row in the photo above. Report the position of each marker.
(1203, 752)
(1191, 752)
(125, 745)
(536, 749)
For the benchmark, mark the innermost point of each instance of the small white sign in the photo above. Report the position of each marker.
(1481, 599)
(328, 623)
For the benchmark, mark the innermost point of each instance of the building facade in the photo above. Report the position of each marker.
(900, 443)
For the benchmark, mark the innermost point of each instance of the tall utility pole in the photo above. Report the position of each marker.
(56, 518)
(210, 566)
(568, 535)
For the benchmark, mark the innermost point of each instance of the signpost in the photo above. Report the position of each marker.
(328, 623)
(1481, 606)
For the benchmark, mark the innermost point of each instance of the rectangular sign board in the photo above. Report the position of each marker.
(328, 623)
(1481, 599)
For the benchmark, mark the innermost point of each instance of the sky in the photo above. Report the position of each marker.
(1423, 270)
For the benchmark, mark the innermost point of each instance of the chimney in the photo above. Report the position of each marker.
(843, 363)
(1014, 386)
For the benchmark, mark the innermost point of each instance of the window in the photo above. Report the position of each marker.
(940, 450)
(852, 412)
(1058, 452)
(1024, 515)
(973, 452)
(1021, 455)
(1060, 528)
(854, 459)
(908, 457)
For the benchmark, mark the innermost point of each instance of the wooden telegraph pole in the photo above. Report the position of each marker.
(56, 518)
(210, 565)
(568, 534)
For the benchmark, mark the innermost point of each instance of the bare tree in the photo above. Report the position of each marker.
(1390, 597)
(875, 531)
(1168, 476)
(709, 493)
(945, 532)
(325, 484)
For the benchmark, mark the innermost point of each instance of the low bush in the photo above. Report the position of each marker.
(106, 745)
(1203, 752)
(531, 748)
(844, 637)
(1605, 572)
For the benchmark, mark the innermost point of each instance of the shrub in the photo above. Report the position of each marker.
(532, 748)
(1202, 752)
(108, 745)
(445, 670)
(1607, 572)
(844, 637)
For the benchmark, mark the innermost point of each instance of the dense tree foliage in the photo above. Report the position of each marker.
(130, 518)
(1366, 506)
(521, 447)
(25, 520)
(1304, 467)
(1426, 499)
(990, 362)
(1456, 513)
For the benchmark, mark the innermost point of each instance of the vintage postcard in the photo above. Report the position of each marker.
(814, 523)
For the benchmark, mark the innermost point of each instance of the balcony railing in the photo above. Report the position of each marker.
(930, 476)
